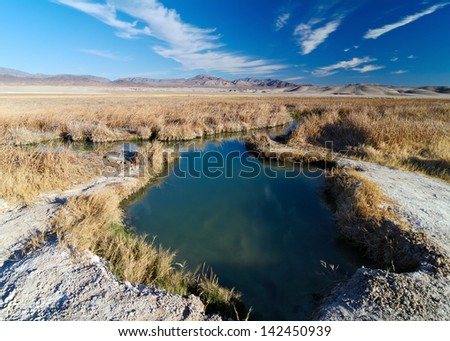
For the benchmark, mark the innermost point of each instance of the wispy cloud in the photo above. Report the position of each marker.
(399, 72)
(282, 20)
(193, 47)
(104, 54)
(318, 20)
(353, 47)
(411, 56)
(352, 64)
(368, 68)
(107, 14)
(150, 74)
(375, 33)
(292, 79)
(394, 59)
(309, 39)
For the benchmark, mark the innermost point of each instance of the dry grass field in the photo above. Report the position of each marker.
(412, 134)
(33, 119)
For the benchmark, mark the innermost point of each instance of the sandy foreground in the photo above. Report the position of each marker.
(83, 90)
(371, 91)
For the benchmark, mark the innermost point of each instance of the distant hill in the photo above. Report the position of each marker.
(372, 90)
(16, 77)
(13, 73)
(263, 83)
(208, 82)
(11, 76)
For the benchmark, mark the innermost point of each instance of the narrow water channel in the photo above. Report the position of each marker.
(266, 233)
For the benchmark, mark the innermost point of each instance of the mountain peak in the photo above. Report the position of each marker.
(203, 77)
(12, 72)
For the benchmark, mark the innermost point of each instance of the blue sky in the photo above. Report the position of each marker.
(404, 42)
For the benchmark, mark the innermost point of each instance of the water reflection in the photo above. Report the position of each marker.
(266, 236)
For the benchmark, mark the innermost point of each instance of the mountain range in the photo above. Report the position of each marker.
(16, 77)
(12, 76)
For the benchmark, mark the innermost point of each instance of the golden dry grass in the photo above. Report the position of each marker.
(367, 200)
(413, 134)
(36, 241)
(26, 173)
(30, 119)
(262, 146)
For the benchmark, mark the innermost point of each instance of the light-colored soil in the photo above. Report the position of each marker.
(422, 201)
(51, 284)
(377, 294)
(368, 91)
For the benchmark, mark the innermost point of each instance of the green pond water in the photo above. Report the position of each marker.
(266, 232)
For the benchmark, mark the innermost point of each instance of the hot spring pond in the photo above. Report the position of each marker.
(266, 234)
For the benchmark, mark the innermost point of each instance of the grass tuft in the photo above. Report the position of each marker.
(365, 217)
(216, 297)
(37, 240)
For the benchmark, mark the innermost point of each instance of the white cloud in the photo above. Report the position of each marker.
(349, 48)
(104, 54)
(294, 79)
(343, 65)
(368, 68)
(411, 56)
(375, 33)
(219, 61)
(394, 59)
(309, 38)
(399, 72)
(107, 14)
(282, 20)
(193, 47)
(158, 74)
